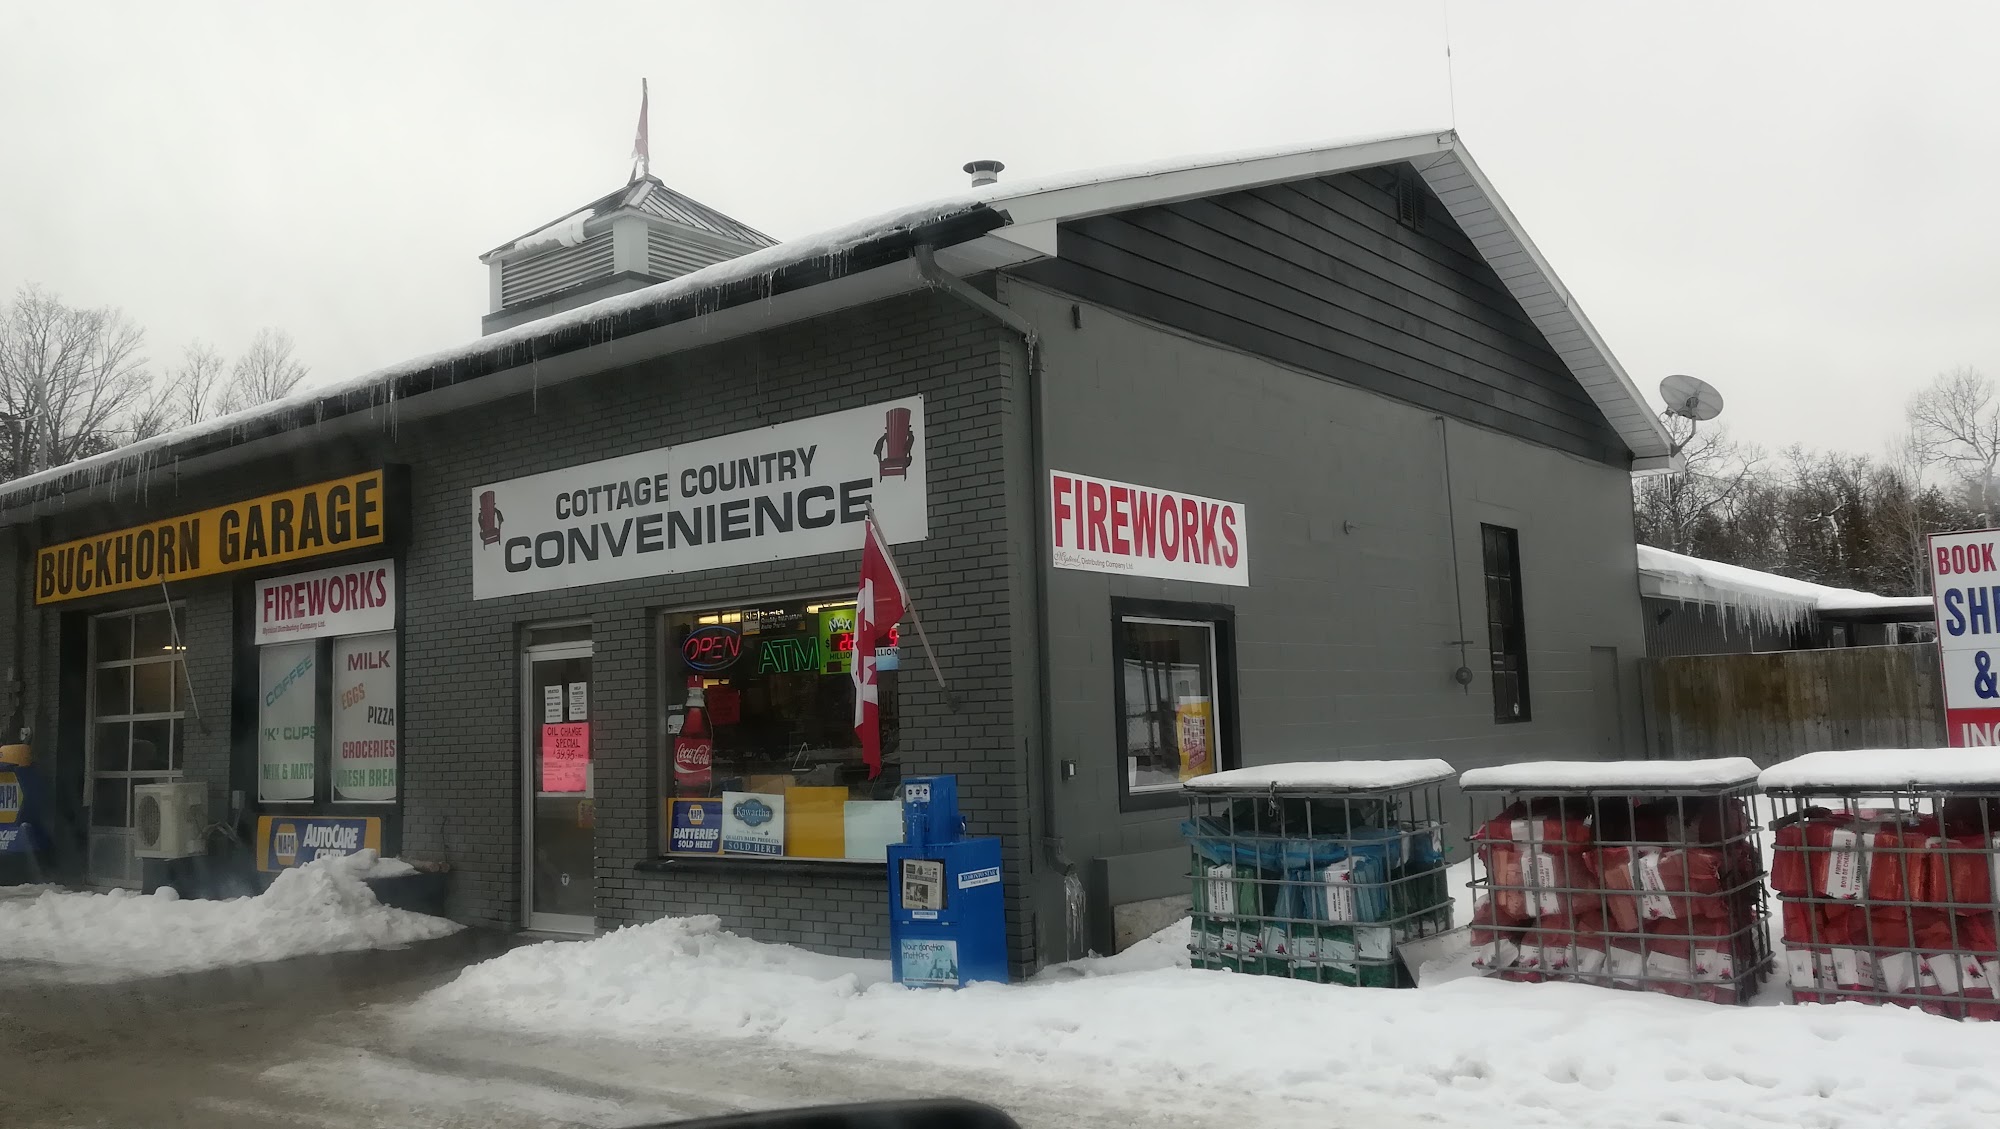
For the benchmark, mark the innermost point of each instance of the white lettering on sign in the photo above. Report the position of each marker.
(1965, 587)
(1098, 525)
(351, 600)
(780, 492)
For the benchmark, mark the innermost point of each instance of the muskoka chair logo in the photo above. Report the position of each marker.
(490, 519)
(894, 451)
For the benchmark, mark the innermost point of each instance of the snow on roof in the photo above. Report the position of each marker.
(1886, 769)
(1602, 775)
(648, 194)
(1312, 776)
(1031, 208)
(1764, 597)
(565, 232)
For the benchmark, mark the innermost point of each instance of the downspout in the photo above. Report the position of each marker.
(940, 279)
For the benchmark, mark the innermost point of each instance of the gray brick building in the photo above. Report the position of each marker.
(1351, 351)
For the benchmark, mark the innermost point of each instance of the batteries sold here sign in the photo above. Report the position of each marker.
(1965, 583)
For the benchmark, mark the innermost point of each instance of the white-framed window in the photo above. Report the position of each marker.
(1172, 702)
(137, 702)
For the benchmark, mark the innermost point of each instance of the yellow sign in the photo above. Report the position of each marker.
(311, 521)
(1194, 726)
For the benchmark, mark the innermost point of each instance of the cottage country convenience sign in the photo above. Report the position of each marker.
(779, 492)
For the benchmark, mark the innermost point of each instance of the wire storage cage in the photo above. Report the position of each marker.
(1642, 875)
(1883, 863)
(1318, 871)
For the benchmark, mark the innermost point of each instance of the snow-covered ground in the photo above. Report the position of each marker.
(1144, 1028)
(321, 907)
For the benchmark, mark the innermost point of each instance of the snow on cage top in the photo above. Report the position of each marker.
(1602, 776)
(1325, 776)
(1886, 770)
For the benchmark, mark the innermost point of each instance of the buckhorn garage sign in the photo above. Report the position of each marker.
(785, 491)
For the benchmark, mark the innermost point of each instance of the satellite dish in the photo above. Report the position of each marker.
(1691, 397)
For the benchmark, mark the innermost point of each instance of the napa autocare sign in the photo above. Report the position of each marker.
(286, 841)
(1965, 585)
(352, 600)
(779, 492)
(1097, 525)
(311, 521)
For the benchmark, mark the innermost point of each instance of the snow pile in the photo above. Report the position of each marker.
(321, 907)
(1308, 776)
(1614, 774)
(1764, 597)
(1886, 769)
(1471, 1052)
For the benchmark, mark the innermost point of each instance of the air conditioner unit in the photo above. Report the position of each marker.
(169, 820)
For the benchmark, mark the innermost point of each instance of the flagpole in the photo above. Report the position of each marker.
(910, 605)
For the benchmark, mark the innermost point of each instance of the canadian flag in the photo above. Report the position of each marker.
(878, 605)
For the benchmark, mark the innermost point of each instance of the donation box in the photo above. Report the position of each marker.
(947, 925)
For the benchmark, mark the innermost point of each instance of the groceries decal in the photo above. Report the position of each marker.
(790, 490)
(285, 841)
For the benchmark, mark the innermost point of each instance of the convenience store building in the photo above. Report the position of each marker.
(1299, 455)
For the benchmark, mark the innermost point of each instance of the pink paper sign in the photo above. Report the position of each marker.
(565, 756)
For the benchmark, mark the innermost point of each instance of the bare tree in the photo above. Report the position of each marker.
(1675, 511)
(193, 388)
(265, 372)
(1956, 422)
(70, 381)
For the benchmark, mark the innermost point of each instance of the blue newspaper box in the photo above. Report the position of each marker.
(947, 922)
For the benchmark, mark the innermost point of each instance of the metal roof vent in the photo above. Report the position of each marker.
(984, 172)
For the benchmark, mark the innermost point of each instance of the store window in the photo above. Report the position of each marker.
(327, 686)
(1170, 692)
(1506, 627)
(760, 758)
(137, 701)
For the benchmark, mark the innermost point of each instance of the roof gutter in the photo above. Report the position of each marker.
(891, 248)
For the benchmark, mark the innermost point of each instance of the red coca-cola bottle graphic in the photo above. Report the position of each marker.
(694, 746)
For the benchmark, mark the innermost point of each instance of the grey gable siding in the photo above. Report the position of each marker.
(1319, 274)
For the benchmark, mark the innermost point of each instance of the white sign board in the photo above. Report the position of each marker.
(790, 490)
(350, 600)
(1098, 525)
(286, 738)
(365, 753)
(1965, 587)
(753, 823)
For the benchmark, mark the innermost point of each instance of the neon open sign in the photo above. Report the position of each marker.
(714, 647)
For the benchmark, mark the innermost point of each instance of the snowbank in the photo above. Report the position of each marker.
(1306, 776)
(1886, 768)
(1614, 774)
(321, 907)
(1468, 1052)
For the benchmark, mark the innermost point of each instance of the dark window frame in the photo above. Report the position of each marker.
(1221, 619)
(1506, 624)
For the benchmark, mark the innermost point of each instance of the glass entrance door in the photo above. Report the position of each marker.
(559, 780)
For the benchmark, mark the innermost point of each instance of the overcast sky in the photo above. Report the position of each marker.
(1790, 201)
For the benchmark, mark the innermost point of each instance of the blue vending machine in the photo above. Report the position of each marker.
(947, 922)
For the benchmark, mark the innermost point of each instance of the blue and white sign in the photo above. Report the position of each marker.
(984, 876)
(753, 823)
(15, 833)
(695, 827)
(285, 841)
(929, 963)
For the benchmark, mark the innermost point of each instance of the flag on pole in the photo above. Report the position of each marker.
(642, 152)
(878, 605)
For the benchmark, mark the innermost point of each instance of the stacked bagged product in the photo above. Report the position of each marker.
(1658, 889)
(1890, 904)
(1315, 887)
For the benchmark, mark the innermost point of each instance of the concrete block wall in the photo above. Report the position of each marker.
(462, 758)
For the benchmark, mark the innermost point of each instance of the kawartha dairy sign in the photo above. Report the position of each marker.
(1965, 586)
(351, 600)
(1098, 525)
(791, 490)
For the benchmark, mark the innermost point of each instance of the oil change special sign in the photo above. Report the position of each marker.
(779, 492)
(1098, 525)
(1965, 585)
(311, 521)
